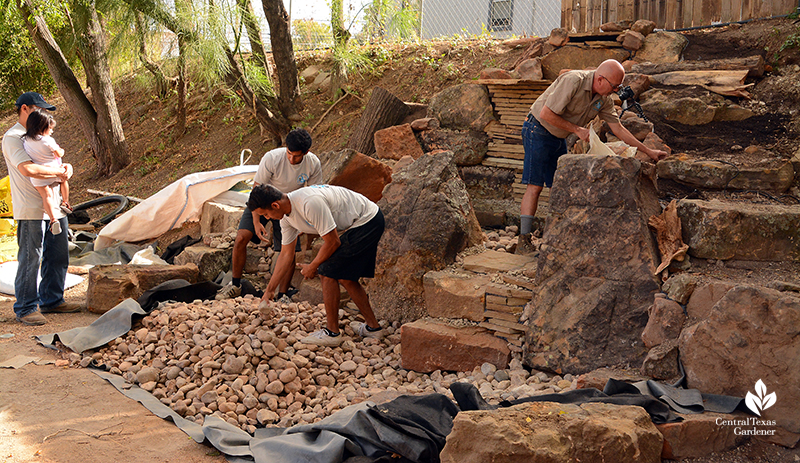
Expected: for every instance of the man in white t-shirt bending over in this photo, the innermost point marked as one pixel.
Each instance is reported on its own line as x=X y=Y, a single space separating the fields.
x=351 y=227
x=287 y=169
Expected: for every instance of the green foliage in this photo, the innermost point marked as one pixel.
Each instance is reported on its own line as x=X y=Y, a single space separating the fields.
x=395 y=19
x=310 y=35
x=259 y=81
x=793 y=41
x=21 y=68
x=349 y=58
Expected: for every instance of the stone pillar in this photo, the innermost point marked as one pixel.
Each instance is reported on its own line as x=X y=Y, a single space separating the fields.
x=595 y=277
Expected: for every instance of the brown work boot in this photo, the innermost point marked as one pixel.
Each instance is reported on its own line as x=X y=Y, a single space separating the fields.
x=64 y=307
x=32 y=319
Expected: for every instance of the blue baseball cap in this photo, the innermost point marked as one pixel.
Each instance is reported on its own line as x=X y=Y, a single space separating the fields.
x=34 y=99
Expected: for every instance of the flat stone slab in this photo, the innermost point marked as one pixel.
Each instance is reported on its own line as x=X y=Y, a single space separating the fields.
x=699 y=435
x=714 y=174
x=428 y=346
x=742 y=231
x=455 y=295
x=496 y=261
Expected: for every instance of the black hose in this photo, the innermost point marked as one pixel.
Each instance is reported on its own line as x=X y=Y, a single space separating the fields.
x=122 y=200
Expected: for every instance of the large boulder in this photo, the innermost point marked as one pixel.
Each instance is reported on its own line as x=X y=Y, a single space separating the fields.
x=530 y=69
x=355 y=171
x=488 y=182
x=744 y=231
x=662 y=47
x=469 y=147
x=210 y=261
x=578 y=58
x=547 y=432
x=218 y=218
x=685 y=110
x=462 y=107
x=752 y=334
x=429 y=220
x=665 y=321
x=595 y=270
x=395 y=142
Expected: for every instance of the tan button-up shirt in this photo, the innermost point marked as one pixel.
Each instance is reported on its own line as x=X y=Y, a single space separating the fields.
x=570 y=96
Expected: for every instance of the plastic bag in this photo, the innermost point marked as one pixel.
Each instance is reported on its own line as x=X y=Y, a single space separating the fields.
x=6 y=209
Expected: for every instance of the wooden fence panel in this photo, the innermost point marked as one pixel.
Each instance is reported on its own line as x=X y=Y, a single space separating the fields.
x=688 y=10
x=747 y=9
x=711 y=12
x=612 y=10
x=589 y=15
x=736 y=10
x=672 y=15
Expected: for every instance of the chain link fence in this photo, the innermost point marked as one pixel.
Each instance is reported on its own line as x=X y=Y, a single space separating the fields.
x=371 y=21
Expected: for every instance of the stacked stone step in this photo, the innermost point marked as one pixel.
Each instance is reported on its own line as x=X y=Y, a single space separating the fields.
x=504 y=304
x=511 y=99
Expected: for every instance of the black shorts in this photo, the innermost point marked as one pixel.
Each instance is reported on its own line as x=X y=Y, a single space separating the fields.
x=246 y=223
x=355 y=257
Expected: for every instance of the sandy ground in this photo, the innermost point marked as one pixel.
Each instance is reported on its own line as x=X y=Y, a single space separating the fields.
x=65 y=415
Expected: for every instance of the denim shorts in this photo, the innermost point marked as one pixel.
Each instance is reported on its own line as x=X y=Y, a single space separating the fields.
x=542 y=150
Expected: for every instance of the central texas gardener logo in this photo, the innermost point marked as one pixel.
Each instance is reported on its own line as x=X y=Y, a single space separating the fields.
x=759 y=401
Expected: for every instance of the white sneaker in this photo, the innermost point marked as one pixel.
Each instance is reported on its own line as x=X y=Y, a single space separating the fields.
x=55 y=228
x=228 y=291
x=321 y=338
x=361 y=330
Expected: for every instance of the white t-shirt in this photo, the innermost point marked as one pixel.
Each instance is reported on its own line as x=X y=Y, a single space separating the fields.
x=26 y=200
x=320 y=209
x=41 y=151
x=276 y=170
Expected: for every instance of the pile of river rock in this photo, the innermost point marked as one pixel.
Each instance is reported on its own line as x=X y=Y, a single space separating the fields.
x=223 y=358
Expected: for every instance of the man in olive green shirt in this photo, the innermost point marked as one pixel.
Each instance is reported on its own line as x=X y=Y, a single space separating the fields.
x=567 y=106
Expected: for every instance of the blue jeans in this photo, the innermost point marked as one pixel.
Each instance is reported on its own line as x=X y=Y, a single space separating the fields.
x=542 y=150
x=34 y=242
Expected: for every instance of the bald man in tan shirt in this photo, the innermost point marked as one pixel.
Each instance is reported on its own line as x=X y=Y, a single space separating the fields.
x=567 y=106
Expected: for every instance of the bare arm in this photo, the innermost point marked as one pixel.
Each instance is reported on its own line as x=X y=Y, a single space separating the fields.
x=547 y=115
x=29 y=169
x=258 y=227
x=330 y=245
x=282 y=267
x=625 y=135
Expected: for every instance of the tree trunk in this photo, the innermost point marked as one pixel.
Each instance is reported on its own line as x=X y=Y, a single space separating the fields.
x=289 y=100
x=340 y=37
x=383 y=110
x=63 y=76
x=162 y=85
x=232 y=76
x=114 y=153
x=236 y=81
x=254 y=34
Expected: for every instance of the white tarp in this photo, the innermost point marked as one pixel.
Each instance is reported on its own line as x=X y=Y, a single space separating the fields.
x=179 y=202
x=8 y=272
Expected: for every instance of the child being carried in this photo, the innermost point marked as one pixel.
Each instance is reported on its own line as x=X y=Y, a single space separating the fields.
x=43 y=150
